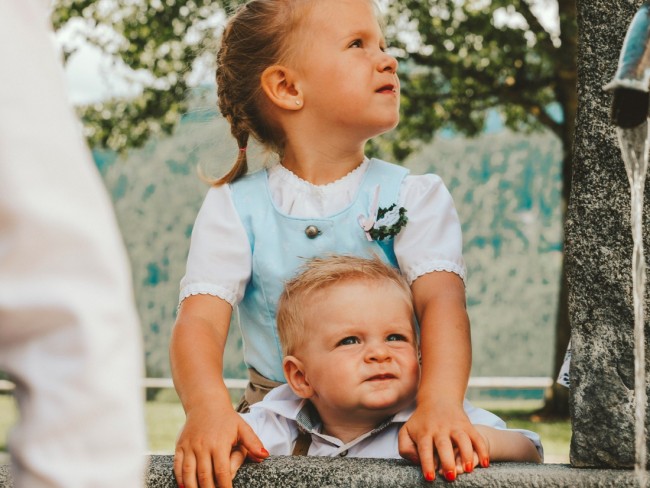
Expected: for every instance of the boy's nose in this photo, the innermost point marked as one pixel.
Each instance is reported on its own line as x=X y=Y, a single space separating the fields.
x=377 y=352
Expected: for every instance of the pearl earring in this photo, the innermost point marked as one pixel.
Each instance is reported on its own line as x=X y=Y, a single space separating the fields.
x=297 y=102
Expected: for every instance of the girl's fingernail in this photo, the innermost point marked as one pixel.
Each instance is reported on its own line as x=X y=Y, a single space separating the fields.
x=468 y=467
x=265 y=452
x=485 y=463
x=450 y=475
x=429 y=476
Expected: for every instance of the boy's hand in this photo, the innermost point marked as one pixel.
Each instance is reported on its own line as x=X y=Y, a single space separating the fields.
x=212 y=446
x=435 y=433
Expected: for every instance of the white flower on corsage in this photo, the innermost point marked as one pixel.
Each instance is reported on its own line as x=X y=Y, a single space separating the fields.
x=382 y=223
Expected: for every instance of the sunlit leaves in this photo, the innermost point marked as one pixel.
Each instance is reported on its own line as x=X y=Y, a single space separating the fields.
x=157 y=44
x=458 y=58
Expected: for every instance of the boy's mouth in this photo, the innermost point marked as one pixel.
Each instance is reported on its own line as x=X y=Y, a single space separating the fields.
x=381 y=377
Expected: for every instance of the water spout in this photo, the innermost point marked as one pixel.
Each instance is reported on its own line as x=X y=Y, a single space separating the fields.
x=630 y=87
x=631 y=82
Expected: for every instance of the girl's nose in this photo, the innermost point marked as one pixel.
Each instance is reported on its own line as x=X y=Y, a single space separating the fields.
x=387 y=63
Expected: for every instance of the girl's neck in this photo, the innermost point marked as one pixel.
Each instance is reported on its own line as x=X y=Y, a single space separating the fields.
x=321 y=167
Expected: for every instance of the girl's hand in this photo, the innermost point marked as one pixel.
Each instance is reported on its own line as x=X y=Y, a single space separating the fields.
x=468 y=468
x=435 y=434
x=212 y=446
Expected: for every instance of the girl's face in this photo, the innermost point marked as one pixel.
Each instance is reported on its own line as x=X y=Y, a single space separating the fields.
x=348 y=80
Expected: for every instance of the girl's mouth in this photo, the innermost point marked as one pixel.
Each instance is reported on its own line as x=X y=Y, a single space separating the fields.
x=387 y=89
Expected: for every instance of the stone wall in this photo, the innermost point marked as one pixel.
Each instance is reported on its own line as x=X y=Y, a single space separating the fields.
x=599 y=253
x=315 y=472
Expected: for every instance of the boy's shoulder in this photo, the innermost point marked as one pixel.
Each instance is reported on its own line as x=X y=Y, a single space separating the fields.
x=281 y=401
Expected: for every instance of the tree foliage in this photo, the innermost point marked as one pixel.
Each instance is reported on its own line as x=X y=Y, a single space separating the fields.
x=461 y=58
x=458 y=59
x=156 y=44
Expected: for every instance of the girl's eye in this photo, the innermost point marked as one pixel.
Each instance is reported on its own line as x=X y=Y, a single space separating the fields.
x=348 y=341
x=396 y=337
x=356 y=43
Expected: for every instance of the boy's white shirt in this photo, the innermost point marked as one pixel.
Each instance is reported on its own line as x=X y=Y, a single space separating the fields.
x=278 y=418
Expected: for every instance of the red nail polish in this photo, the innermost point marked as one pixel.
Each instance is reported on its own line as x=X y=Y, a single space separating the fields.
x=450 y=475
x=469 y=468
x=429 y=476
x=265 y=452
x=485 y=463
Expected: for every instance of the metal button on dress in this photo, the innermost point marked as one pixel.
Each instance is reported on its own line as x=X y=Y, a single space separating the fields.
x=312 y=231
x=343 y=453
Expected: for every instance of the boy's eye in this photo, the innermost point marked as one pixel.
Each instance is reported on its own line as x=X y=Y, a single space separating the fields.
x=348 y=341
x=356 y=43
x=396 y=337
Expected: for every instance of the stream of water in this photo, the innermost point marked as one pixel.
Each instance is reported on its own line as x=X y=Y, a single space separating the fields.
x=634 y=147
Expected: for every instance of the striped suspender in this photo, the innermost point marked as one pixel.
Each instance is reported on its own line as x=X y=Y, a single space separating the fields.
x=301 y=448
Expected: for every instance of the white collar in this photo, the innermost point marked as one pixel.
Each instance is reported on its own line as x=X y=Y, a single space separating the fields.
x=284 y=402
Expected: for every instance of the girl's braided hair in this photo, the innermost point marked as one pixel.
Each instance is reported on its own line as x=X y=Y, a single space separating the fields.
x=257 y=36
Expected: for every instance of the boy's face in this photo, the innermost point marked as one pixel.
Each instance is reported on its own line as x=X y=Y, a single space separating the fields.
x=360 y=353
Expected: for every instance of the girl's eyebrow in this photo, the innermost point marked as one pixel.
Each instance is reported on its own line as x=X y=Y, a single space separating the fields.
x=363 y=33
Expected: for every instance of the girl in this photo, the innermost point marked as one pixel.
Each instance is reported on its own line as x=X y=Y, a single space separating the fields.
x=311 y=80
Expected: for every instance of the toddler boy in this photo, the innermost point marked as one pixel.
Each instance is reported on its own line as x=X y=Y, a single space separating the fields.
x=350 y=348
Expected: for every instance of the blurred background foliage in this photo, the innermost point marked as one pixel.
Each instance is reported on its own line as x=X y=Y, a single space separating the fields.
x=459 y=59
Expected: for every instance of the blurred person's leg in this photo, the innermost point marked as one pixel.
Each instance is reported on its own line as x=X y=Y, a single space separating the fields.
x=69 y=334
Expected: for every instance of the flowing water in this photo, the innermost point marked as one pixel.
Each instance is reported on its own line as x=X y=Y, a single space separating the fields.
x=634 y=147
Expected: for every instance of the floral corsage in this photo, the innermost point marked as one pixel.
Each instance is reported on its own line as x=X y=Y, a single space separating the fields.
x=383 y=223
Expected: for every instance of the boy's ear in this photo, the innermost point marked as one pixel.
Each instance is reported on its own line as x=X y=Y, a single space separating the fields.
x=294 y=373
x=281 y=87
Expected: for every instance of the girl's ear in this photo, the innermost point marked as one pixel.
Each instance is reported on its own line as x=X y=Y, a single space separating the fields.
x=294 y=372
x=281 y=88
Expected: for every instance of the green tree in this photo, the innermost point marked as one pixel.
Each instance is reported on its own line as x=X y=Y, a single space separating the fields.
x=462 y=58
x=459 y=59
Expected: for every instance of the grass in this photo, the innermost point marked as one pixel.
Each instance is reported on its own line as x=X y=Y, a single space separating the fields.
x=555 y=434
x=164 y=418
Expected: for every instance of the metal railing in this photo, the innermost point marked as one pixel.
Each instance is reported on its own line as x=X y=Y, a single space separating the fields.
x=479 y=383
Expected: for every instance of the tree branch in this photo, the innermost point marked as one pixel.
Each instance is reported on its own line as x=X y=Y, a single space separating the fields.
x=536 y=26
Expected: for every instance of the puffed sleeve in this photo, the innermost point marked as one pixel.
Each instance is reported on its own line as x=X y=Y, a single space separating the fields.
x=432 y=239
x=219 y=261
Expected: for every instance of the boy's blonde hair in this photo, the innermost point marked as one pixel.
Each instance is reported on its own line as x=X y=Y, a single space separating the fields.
x=321 y=273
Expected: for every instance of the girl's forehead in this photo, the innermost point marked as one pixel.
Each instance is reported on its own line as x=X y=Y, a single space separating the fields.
x=340 y=14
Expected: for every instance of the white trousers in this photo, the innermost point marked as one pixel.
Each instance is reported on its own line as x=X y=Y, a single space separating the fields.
x=69 y=333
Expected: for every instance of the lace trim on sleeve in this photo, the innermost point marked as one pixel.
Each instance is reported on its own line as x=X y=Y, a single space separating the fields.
x=208 y=289
x=430 y=267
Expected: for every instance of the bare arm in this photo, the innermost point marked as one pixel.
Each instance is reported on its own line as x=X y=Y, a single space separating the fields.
x=439 y=423
x=212 y=427
x=506 y=445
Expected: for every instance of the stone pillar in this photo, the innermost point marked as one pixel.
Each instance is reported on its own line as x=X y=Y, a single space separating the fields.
x=599 y=253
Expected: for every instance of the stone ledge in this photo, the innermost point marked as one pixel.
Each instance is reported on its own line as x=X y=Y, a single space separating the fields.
x=318 y=472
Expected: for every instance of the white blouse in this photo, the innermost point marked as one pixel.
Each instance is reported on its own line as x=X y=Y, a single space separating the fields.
x=219 y=261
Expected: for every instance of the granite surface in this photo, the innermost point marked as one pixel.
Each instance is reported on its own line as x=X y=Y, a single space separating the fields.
x=319 y=472
x=599 y=253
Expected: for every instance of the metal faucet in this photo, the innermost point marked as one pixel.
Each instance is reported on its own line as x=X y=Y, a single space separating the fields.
x=631 y=83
